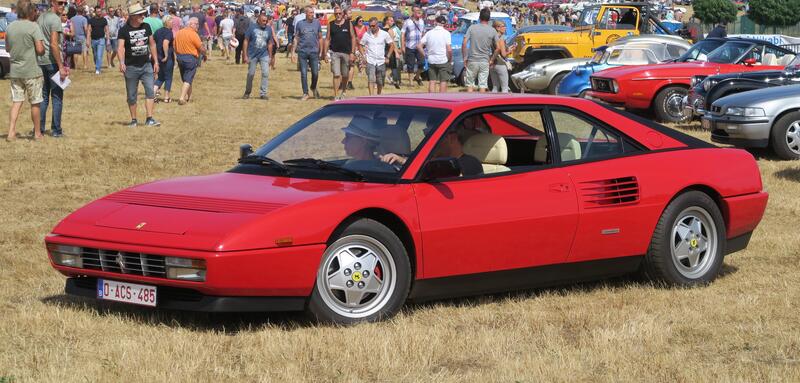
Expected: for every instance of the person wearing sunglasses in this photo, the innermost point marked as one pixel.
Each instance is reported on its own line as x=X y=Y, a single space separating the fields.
x=52 y=62
x=340 y=40
x=373 y=47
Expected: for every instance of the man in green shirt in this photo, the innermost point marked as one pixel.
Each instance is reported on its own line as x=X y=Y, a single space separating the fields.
x=24 y=40
x=154 y=19
x=52 y=62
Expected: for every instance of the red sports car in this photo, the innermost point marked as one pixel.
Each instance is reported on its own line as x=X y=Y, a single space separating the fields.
x=369 y=202
x=662 y=87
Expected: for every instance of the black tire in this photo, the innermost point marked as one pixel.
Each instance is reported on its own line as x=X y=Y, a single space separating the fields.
x=553 y=87
x=662 y=265
x=665 y=108
x=327 y=306
x=785 y=136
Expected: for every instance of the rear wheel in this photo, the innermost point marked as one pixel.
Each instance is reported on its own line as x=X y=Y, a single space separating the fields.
x=553 y=87
x=688 y=242
x=785 y=137
x=365 y=275
x=668 y=106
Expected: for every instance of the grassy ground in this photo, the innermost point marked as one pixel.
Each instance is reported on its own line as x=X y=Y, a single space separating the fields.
x=744 y=327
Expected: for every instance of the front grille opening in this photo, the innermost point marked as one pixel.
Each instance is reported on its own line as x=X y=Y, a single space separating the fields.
x=114 y=261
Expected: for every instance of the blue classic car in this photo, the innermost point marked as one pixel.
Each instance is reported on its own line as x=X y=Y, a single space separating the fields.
x=634 y=50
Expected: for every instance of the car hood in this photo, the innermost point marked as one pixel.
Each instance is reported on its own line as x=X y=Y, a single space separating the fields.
x=209 y=213
x=667 y=69
x=761 y=96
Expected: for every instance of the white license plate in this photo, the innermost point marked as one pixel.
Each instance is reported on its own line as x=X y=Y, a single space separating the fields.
x=126 y=292
x=706 y=124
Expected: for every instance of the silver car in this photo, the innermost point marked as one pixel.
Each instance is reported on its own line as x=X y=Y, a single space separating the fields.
x=768 y=117
x=544 y=76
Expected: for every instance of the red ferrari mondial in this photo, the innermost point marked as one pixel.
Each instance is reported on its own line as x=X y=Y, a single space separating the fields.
x=370 y=202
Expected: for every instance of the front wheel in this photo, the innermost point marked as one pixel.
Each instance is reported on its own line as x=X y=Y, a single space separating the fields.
x=668 y=104
x=785 y=137
x=688 y=242
x=364 y=276
x=553 y=87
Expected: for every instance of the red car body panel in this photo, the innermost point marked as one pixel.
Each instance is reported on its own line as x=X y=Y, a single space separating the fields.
x=264 y=236
x=639 y=84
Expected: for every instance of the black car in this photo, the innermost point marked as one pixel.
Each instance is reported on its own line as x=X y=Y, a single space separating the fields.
x=706 y=90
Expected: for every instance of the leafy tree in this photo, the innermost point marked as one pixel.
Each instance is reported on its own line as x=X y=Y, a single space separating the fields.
x=715 y=11
x=775 y=13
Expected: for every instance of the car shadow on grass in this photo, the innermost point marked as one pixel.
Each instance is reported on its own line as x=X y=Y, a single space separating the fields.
x=790 y=174
x=235 y=323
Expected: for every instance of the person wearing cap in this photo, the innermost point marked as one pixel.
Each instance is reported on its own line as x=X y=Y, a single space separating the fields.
x=137 y=50
x=360 y=139
x=436 y=47
x=373 y=47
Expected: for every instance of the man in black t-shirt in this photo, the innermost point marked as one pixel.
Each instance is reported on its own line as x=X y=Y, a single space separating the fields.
x=98 y=31
x=340 y=40
x=290 y=29
x=137 y=48
x=240 y=27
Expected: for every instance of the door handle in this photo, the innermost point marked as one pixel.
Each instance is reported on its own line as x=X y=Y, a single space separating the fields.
x=559 y=187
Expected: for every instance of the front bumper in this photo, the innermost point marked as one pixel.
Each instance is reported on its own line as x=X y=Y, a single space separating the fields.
x=750 y=132
x=530 y=83
x=172 y=298
x=694 y=105
x=276 y=272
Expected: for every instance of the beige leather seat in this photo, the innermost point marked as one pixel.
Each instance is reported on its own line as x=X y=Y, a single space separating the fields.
x=491 y=150
x=570 y=148
x=770 y=59
x=785 y=60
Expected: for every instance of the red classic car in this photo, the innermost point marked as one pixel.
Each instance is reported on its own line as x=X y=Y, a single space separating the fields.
x=662 y=87
x=366 y=203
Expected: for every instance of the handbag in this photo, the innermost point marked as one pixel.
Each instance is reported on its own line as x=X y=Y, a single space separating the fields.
x=73 y=47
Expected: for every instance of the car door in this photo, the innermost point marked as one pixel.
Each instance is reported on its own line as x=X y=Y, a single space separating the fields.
x=522 y=217
x=615 y=22
x=608 y=184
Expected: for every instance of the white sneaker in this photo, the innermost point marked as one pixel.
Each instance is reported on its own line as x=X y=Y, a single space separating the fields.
x=97 y=72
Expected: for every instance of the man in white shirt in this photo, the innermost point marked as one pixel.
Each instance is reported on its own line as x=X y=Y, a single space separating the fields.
x=373 y=47
x=436 y=46
x=226 y=27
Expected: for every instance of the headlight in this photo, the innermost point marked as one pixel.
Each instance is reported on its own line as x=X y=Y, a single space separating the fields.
x=65 y=255
x=745 y=112
x=707 y=84
x=536 y=72
x=186 y=269
x=696 y=80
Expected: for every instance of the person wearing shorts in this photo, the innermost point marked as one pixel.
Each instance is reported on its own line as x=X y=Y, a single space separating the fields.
x=482 y=40
x=80 y=29
x=137 y=50
x=113 y=32
x=188 y=48
x=436 y=47
x=25 y=41
x=410 y=36
x=373 y=47
x=340 y=40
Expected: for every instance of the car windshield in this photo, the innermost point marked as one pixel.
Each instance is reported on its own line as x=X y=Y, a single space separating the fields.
x=632 y=56
x=354 y=138
x=700 y=51
x=599 y=56
x=730 y=52
x=588 y=16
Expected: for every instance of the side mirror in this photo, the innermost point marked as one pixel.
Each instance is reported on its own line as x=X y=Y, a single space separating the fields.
x=750 y=61
x=441 y=168
x=245 y=150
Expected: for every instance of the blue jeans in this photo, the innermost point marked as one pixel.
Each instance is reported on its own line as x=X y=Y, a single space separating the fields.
x=308 y=59
x=50 y=88
x=98 y=47
x=251 y=73
x=165 y=70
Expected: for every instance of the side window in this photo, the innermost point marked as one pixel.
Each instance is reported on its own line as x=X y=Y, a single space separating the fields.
x=580 y=139
x=619 y=18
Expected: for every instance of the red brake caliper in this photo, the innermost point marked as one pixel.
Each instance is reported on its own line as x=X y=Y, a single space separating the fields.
x=377 y=272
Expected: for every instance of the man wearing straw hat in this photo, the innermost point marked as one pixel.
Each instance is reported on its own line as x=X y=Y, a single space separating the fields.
x=137 y=50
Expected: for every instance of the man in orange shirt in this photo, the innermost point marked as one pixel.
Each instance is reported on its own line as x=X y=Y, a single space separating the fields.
x=188 y=48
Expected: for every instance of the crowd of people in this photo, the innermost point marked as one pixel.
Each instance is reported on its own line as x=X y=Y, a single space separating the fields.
x=146 y=44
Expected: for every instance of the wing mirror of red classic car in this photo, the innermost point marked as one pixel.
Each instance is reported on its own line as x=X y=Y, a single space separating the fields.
x=245 y=150
x=440 y=168
x=750 y=61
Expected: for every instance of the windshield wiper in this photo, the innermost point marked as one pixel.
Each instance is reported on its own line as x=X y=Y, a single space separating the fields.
x=325 y=165
x=257 y=159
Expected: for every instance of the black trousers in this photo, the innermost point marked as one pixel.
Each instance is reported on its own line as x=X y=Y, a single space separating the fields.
x=239 y=47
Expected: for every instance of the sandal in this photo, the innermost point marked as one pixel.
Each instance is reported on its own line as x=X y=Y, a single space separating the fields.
x=167 y=100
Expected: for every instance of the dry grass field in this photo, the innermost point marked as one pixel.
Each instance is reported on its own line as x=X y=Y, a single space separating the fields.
x=745 y=327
